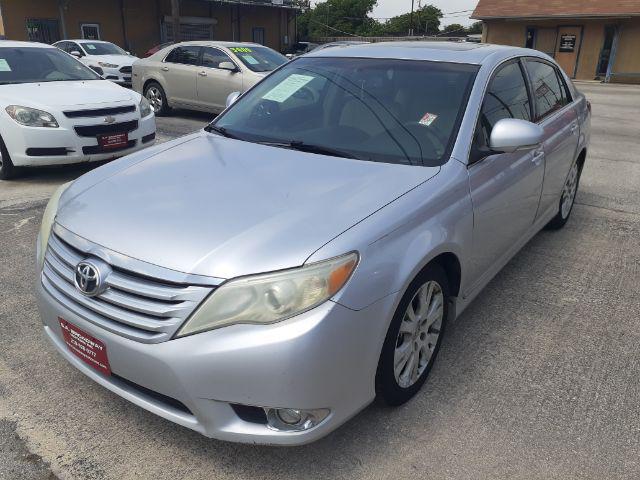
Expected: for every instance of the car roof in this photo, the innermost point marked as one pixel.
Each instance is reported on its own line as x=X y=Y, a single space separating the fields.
x=84 y=40
x=454 y=52
x=15 y=43
x=213 y=43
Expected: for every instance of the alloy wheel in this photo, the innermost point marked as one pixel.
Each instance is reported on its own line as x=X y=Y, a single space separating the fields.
x=419 y=333
x=569 y=192
x=155 y=99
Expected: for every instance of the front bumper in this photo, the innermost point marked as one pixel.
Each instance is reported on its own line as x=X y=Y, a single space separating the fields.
x=29 y=146
x=116 y=76
x=325 y=358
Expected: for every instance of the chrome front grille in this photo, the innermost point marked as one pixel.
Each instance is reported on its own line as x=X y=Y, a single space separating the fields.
x=137 y=307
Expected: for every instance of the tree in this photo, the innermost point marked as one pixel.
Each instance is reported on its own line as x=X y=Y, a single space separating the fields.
x=337 y=18
x=475 y=28
x=455 y=30
x=426 y=21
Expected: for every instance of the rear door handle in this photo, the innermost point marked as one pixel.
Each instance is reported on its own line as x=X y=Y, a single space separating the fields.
x=202 y=74
x=165 y=69
x=574 y=128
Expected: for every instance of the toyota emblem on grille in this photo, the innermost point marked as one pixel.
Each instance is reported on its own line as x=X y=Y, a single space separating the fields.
x=87 y=279
x=109 y=119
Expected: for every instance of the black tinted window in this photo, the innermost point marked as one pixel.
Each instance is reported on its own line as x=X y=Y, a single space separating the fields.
x=546 y=88
x=184 y=55
x=212 y=57
x=506 y=97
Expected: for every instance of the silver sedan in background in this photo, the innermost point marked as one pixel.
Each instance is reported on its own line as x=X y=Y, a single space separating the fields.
x=201 y=75
x=264 y=279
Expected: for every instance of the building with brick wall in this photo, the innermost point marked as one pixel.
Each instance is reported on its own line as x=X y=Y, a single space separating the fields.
x=138 y=25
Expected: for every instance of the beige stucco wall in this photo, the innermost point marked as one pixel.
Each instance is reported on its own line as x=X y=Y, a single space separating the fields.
x=628 y=55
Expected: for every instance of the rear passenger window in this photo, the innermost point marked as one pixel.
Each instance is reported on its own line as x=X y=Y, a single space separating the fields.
x=506 y=97
x=546 y=88
x=184 y=55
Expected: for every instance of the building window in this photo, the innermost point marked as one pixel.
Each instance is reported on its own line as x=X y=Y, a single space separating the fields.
x=258 y=35
x=43 y=30
x=90 y=31
x=531 y=38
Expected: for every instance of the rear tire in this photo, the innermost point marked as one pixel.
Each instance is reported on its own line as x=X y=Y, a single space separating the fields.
x=414 y=337
x=7 y=169
x=567 y=199
x=157 y=98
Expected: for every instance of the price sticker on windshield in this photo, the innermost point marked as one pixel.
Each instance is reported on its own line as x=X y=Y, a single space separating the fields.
x=287 y=88
x=240 y=49
x=250 y=59
x=4 y=65
x=89 y=46
x=428 y=119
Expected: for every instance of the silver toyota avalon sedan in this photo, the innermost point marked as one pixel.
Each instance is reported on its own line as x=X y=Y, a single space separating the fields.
x=264 y=279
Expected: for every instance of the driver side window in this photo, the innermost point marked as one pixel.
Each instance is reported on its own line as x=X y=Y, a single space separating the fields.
x=506 y=97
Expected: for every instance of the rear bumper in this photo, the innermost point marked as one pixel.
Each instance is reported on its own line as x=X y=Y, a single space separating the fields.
x=325 y=358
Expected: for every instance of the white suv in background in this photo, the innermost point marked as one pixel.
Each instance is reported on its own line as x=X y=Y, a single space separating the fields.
x=54 y=110
x=106 y=58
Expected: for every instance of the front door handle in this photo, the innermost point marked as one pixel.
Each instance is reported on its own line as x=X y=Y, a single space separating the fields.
x=202 y=74
x=165 y=69
x=574 y=128
x=538 y=155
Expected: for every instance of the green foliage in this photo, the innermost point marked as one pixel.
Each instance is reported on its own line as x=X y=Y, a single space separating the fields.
x=350 y=16
x=476 y=27
x=426 y=21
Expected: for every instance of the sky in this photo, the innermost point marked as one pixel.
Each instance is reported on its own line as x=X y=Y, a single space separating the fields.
x=391 y=8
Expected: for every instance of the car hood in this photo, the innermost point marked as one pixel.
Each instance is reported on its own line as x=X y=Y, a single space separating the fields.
x=224 y=208
x=65 y=94
x=120 y=60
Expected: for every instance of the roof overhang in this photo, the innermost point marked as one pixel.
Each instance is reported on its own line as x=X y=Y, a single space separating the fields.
x=556 y=17
x=259 y=3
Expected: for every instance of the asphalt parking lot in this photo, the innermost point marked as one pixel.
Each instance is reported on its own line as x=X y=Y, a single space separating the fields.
x=537 y=379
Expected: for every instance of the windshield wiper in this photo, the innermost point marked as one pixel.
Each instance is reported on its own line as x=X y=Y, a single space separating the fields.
x=310 y=148
x=221 y=130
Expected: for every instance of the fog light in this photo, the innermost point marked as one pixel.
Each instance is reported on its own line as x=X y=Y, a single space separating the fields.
x=294 y=420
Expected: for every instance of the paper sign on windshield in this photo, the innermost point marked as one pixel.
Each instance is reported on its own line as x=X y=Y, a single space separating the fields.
x=90 y=47
x=241 y=50
x=287 y=87
x=4 y=66
x=250 y=59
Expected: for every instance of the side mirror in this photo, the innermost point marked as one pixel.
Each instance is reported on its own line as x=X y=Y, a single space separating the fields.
x=76 y=54
x=511 y=134
x=231 y=99
x=228 y=66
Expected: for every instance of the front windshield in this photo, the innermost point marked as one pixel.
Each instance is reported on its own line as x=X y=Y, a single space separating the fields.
x=100 y=48
x=259 y=59
x=384 y=110
x=35 y=65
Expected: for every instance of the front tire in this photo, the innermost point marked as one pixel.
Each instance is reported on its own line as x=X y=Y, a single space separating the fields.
x=7 y=169
x=157 y=98
x=414 y=337
x=567 y=199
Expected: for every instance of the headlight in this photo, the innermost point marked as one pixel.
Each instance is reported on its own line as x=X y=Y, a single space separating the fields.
x=107 y=65
x=47 y=222
x=31 y=117
x=145 y=108
x=271 y=297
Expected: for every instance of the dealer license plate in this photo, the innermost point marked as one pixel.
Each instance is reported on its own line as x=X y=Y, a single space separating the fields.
x=86 y=347
x=116 y=140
